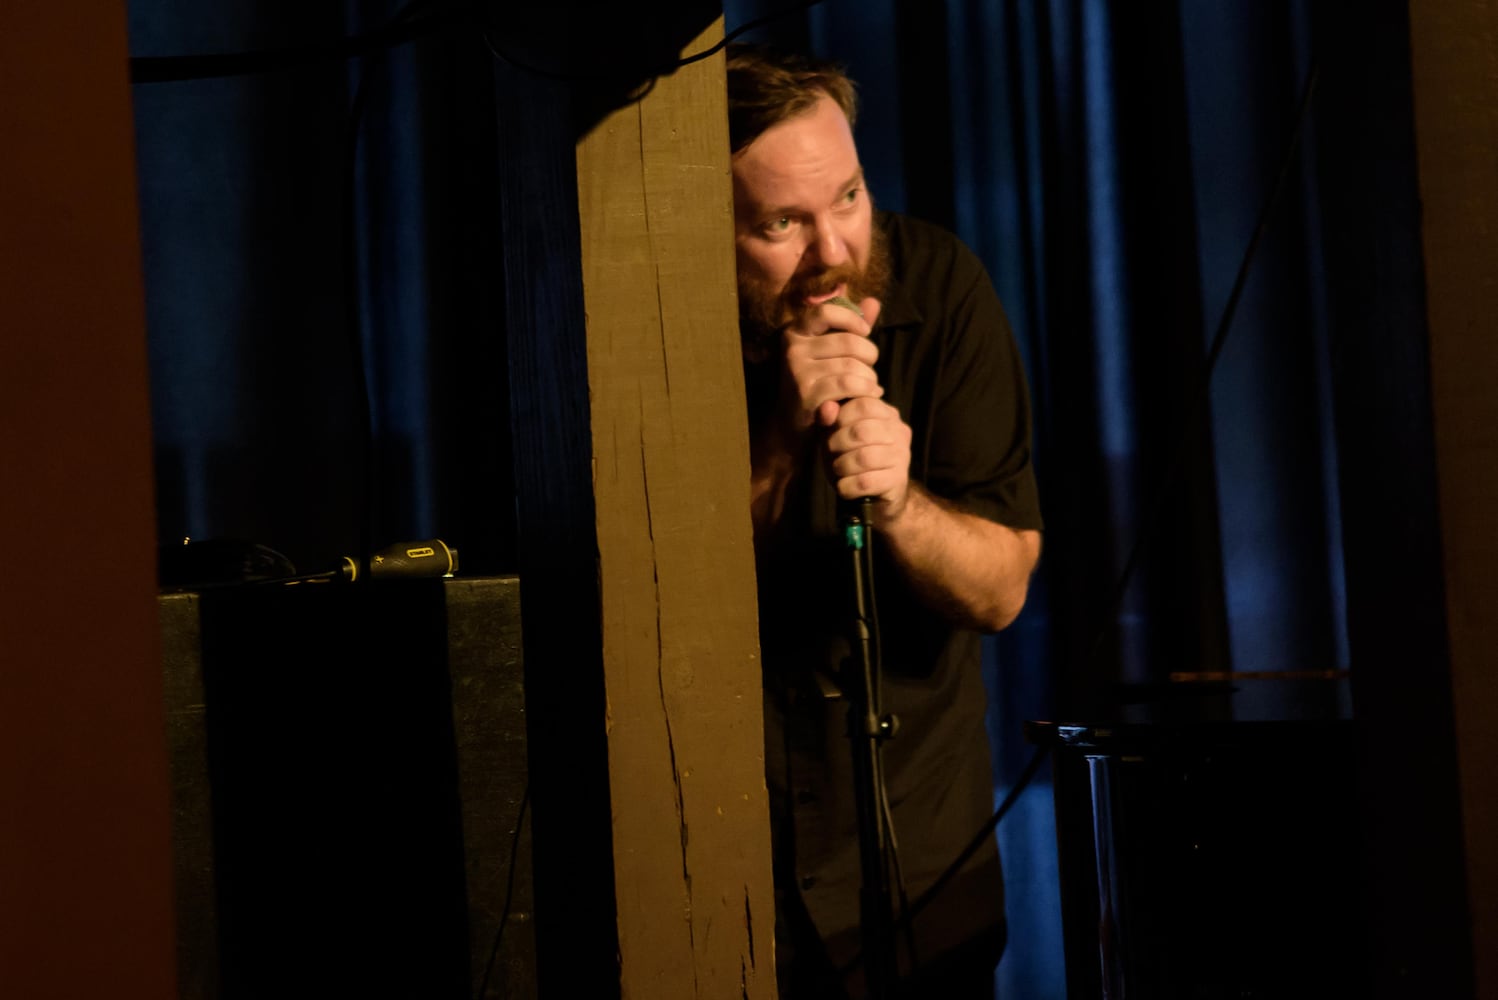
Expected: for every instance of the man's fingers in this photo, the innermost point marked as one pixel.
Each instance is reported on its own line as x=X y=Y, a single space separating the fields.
x=880 y=485
x=849 y=386
x=828 y=369
x=861 y=445
x=836 y=392
x=835 y=379
x=837 y=344
x=839 y=367
x=871 y=458
x=869 y=407
x=869 y=449
x=864 y=434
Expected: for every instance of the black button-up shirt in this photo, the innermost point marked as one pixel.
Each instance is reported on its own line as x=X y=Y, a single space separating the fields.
x=948 y=362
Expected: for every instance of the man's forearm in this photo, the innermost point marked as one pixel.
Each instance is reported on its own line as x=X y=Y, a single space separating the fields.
x=970 y=569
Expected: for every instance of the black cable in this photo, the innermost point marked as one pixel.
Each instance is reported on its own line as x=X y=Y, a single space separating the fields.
x=504 y=914
x=747 y=27
x=395 y=32
x=982 y=836
x=906 y=920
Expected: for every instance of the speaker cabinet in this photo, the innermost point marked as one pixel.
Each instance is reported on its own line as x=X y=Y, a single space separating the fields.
x=1216 y=861
x=348 y=774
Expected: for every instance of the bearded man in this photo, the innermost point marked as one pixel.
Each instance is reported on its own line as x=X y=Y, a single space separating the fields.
x=878 y=364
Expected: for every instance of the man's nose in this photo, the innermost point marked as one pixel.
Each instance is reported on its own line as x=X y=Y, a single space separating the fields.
x=829 y=246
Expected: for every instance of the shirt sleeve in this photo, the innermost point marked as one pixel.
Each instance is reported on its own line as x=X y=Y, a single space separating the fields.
x=978 y=441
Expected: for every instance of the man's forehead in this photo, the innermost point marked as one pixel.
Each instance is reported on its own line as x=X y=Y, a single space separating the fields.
x=797 y=158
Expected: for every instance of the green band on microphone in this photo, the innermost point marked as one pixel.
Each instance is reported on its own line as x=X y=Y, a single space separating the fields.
x=845 y=302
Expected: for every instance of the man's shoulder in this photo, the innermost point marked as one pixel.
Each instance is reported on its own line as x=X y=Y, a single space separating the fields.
x=929 y=264
x=918 y=245
x=912 y=227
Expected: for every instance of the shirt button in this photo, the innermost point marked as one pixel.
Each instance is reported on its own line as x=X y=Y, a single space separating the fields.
x=805 y=796
x=807 y=881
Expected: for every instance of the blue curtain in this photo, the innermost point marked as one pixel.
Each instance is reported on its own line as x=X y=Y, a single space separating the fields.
x=1109 y=163
x=321 y=245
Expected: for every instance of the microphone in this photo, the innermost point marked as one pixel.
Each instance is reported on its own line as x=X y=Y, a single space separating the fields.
x=856 y=515
x=405 y=560
x=846 y=303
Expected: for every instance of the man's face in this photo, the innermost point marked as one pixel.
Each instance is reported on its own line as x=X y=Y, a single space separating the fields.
x=803 y=223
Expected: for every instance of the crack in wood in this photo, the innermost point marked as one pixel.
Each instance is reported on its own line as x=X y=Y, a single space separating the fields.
x=660 y=305
x=749 y=924
x=660 y=683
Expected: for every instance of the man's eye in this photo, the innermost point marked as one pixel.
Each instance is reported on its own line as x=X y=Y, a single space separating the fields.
x=780 y=225
x=851 y=196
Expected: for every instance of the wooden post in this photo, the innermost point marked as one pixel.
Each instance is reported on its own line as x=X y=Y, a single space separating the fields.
x=1456 y=132
x=643 y=699
x=85 y=854
x=686 y=740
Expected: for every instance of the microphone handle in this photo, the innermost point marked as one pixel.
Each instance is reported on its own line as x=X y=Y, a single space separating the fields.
x=846 y=303
x=863 y=505
x=430 y=557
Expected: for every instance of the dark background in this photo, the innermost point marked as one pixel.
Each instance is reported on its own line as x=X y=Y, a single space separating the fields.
x=328 y=235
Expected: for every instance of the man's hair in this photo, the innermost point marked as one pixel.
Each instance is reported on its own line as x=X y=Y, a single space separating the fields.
x=766 y=87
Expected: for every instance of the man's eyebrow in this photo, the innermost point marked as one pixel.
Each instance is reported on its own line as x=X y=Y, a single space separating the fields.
x=852 y=182
x=776 y=211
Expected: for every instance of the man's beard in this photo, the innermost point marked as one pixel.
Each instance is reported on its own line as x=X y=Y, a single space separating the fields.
x=763 y=313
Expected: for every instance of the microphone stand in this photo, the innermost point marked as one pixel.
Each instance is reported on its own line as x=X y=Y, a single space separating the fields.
x=867 y=731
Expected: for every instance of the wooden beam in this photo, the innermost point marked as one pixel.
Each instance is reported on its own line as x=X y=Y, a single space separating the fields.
x=686 y=742
x=1455 y=74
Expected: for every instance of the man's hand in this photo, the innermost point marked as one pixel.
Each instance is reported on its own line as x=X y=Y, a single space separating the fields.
x=828 y=358
x=870 y=456
x=831 y=383
x=831 y=394
x=973 y=571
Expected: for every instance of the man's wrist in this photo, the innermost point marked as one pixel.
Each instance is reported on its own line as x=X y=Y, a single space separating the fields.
x=898 y=515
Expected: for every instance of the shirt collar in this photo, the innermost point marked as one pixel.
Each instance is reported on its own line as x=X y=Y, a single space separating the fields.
x=898 y=310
